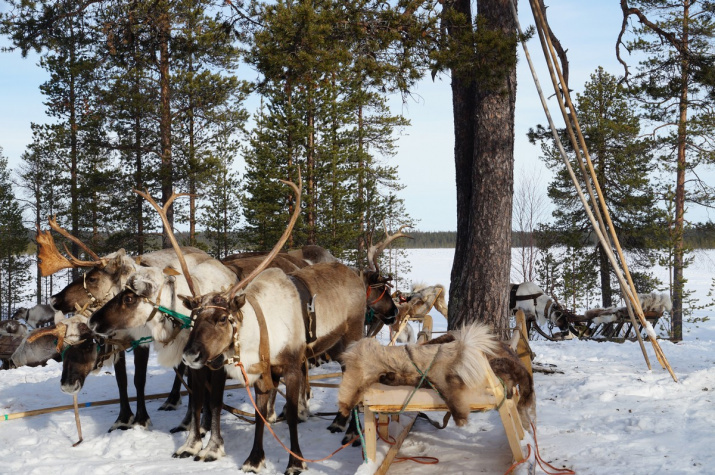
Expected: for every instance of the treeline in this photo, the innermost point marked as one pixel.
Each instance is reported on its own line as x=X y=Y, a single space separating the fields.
x=147 y=96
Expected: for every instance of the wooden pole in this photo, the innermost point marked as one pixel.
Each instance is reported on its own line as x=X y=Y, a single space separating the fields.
x=76 y=419
x=629 y=287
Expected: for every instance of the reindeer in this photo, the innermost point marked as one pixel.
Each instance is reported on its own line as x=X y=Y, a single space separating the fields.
x=43 y=344
x=538 y=306
x=270 y=327
x=38 y=316
x=12 y=328
x=104 y=278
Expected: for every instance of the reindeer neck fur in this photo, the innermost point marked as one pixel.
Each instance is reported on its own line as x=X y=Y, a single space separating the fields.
x=278 y=298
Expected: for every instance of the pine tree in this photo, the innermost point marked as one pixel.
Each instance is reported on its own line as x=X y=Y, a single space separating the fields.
x=623 y=162
x=319 y=117
x=38 y=174
x=677 y=39
x=14 y=264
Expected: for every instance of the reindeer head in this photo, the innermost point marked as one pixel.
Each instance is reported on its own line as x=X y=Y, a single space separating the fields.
x=134 y=305
x=217 y=324
x=377 y=295
x=97 y=285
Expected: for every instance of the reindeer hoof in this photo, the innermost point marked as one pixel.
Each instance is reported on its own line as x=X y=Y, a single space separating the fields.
x=296 y=469
x=170 y=406
x=181 y=455
x=122 y=425
x=211 y=454
x=179 y=428
x=253 y=466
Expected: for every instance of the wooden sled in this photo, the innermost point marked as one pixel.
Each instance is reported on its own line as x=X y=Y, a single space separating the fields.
x=386 y=402
x=425 y=320
x=8 y=345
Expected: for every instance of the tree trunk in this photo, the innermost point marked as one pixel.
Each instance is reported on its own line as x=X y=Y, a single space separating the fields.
x=74 y=159
x=484 y=162
x=167 y=182
x=679 y=251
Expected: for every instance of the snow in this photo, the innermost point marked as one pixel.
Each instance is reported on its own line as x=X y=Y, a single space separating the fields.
x=602 y=412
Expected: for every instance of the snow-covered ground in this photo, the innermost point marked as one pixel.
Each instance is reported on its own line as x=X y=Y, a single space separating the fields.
x=604 y=412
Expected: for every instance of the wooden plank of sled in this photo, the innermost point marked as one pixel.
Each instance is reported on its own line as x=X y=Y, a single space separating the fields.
x=394 y=449
x=382 y=398
x=313 y=377
x=523 y=350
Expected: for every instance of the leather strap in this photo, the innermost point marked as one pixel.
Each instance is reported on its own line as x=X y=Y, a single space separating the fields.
x=307 y=306
x=264 y=347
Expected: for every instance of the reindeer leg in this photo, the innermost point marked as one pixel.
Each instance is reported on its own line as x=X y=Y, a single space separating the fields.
x=214 y=449
x=193 y=443
x=186 y=421
x=270 y=414
x=174 y=400
x=141 y=362
x=257 y=458
x=294 y=380
x=126 y=416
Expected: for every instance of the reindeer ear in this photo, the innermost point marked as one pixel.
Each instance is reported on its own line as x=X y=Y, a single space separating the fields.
x=189 y=302
x=237 y=302
x=142 y=286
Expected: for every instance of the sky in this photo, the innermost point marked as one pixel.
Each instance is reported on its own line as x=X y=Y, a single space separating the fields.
x=587 y=30
x=601 y=412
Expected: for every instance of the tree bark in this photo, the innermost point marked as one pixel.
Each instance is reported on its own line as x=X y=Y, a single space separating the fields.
x=167 y=182
x=484 y=162
x=679 y=251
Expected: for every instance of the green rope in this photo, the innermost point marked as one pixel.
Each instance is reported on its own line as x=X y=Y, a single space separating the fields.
x=184 y=319
x=369 y=316
x=417 y=386
x=140 y=341
x=362 y=437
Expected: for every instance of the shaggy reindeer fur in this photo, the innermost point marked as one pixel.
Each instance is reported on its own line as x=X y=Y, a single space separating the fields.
x=602 y=315
x=507 y=365
x=655 y=302
x=455 y=368
x=421 y=296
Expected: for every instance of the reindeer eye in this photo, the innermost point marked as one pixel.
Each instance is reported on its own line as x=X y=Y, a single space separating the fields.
x=92 y=279
x=223 y=318
x=128 y=299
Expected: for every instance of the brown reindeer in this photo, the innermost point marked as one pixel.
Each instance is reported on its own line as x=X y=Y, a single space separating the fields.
x=270 y=327
x=103 y=279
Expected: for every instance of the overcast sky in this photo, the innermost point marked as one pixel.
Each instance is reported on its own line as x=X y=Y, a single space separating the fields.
x=588 y=31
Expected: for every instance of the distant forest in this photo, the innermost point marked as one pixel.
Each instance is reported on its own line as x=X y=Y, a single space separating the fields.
x=698 y=236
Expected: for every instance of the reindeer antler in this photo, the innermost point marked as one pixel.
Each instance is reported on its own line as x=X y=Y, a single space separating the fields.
x=56 y=227
x=376 y=249
x=50 y=258
x=296 y=212
x=170 y=232
x=59 y=331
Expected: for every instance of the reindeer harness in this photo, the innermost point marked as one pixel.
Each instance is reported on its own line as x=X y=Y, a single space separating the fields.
x=264 y=350
x=307 y=306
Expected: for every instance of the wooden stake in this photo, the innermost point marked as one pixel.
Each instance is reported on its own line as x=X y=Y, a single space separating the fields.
x=76 y=419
